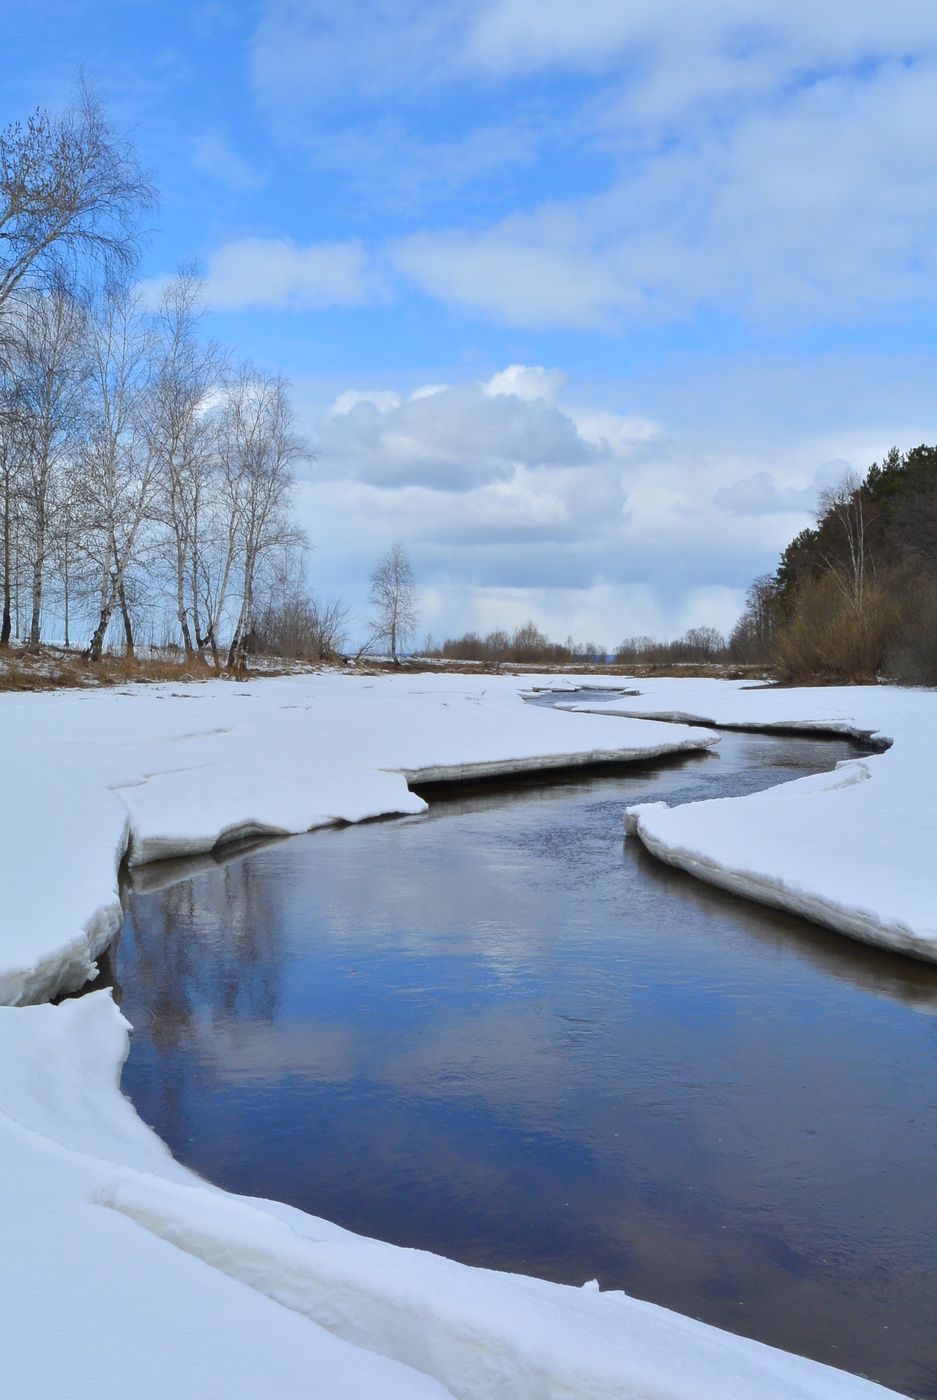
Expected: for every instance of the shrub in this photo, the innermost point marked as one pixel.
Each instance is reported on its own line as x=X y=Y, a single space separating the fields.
x=301 y=627
x=911 y=656
x=825 y=636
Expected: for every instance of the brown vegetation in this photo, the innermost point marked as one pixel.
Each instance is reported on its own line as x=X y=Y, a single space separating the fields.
x=54 y=669
x=855 y=598
x=824 y=635
x=527 y=645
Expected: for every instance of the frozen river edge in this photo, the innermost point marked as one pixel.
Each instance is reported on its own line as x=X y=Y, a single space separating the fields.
x=210 y=1294
x=851 y=850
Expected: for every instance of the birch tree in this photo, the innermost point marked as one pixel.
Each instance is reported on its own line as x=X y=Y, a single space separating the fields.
x=120 y=459
x=49 y=366
x=71 y=188
x=183 y=440
x=394 y=614
x=10 y=469
x=260 y=446
x=843 y=503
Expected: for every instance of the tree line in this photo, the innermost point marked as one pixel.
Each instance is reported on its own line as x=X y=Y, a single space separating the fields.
x=527 y=644
x=855 y=596
x=139 y=466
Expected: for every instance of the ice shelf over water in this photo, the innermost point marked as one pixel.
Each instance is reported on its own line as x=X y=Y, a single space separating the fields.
x=124 y=1273
x=855 y=849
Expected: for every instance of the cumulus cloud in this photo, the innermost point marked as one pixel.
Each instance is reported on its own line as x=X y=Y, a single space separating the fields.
x=759 y=495
x=274 y=272
x=455 y=438
x=524 y=382
x=610 y=526
x=514 y=496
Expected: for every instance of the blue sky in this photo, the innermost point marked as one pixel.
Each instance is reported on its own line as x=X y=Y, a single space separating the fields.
x=583 y=299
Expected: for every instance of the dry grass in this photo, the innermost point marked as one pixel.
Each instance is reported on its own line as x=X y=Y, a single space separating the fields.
x=610 y=670
x=54 y=668
x=825 y=640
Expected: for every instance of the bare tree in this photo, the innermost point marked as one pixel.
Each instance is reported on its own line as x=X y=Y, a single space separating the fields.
x=260 y=447
x=843 y=503
x=11 y=456
x=131 y=467
x=120 y=459
x=291 y=621
x=753 y=634
x=394 y=614
x=69 y=186
x=183 y=439
x=49 y=368
x=66 y=553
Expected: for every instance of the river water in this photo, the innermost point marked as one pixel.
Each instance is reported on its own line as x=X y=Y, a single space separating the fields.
x=503 y=1032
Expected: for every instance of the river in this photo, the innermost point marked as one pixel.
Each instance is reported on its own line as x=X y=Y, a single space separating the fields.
x=503 y=1032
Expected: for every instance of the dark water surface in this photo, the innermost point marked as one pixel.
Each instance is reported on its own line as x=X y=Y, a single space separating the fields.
x=504 y=1033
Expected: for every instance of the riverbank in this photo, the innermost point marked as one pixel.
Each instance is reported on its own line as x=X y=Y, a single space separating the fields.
x=202 y=1293
x=147 y=773
x=852 y=850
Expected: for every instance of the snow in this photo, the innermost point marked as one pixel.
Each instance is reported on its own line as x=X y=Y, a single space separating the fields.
x=124 y=1273
x=173 y=771
x=853 y=849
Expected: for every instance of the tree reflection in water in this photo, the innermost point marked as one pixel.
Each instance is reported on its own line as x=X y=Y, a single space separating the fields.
x=197 y=950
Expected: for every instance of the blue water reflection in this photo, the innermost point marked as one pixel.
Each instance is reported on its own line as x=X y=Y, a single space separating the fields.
x=504 y=1033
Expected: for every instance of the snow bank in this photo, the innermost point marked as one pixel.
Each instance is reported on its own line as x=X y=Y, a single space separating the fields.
x=126 y=1274
x=853 y=850
x=206 y=1294
x=173 y=771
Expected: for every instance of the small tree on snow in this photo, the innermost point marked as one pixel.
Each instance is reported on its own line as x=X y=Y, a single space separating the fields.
x=393 y=600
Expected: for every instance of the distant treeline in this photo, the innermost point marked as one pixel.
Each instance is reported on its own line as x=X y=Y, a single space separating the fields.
x=698 y=646
x=527 y=644
x=855 y=597
x=701 y=645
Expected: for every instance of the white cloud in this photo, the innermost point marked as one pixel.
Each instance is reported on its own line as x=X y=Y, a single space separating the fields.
x=593 y=518
x=775 y=163
x=274 y=272
x=673 y=50
x=529 y=384
x=427 y=391
x=214 y=157
x=505 y=492
x=458 y=438
x=818 y=205
x=530 y=271
x=759 y=495
x=381 y=399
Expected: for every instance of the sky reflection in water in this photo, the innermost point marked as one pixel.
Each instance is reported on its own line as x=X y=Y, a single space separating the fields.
x=503 y=1033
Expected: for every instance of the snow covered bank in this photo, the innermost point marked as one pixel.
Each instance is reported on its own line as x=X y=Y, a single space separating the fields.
x=853 y=850
x=172 y=771
x=126 y=1274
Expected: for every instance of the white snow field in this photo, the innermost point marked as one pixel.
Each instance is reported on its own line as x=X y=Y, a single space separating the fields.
x=172 y=771
x=124 y=1274
x=855 y=849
